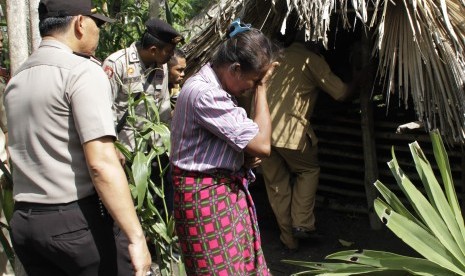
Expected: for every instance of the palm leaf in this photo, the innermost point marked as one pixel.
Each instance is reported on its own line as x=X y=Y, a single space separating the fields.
x=396 y=204
x=443 y=163
x=434 y=230
x=140 y=173
x=438 y=199
x=418 y=238
x=340 y=268
x=425 y=210
x=391 y=262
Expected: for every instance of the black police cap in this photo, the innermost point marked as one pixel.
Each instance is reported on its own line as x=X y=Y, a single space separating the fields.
x=163 y=31
x=62 y=8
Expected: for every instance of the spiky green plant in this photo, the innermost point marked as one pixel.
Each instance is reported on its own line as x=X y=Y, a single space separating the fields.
x=434 y=228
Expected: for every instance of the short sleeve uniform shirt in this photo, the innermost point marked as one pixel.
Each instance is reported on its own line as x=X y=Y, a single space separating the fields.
x=56 y=102
x=128 y=75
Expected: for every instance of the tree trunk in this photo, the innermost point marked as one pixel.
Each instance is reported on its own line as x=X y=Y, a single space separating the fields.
x=17 y=11
x=34 y=27
x=154 y=8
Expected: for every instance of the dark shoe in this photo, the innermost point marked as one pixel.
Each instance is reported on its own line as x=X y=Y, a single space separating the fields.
x=303 y=234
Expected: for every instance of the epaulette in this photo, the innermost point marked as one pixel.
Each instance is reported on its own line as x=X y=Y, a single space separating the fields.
x=115 y=56
x=90 y=57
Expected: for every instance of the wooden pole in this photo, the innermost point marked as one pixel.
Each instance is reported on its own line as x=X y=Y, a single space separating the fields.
x=34 y=25
x=154 y=8
x=368 y=137
x=16 y=11
x=16 y=14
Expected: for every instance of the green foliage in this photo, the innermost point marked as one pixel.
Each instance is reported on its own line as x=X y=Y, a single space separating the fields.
x=7 y=204
x=129 y=27
x=179 y=12
x=151 y=138
x=132 y=15
x=435 y=228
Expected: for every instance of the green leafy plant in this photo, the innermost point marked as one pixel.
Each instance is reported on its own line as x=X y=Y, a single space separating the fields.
x=433 y=226
x=132 y=15
x=127 y=29
x=156 y=221
x=7 y=204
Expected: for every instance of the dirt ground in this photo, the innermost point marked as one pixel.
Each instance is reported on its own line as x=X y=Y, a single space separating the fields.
x=333 y=225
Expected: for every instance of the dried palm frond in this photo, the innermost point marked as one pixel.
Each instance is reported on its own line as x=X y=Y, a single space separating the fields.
x=262 y=15
x=421 y=55
x=267 y=15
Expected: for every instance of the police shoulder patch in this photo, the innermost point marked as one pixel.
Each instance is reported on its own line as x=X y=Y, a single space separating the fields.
x=109 y=71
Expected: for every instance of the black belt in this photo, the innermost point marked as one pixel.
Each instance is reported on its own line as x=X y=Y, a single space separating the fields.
x=42 y=207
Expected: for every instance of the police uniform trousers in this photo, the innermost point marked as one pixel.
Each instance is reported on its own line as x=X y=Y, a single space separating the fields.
x=77 y=238
x=291 y=179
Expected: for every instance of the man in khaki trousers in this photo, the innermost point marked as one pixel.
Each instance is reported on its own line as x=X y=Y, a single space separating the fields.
x=291 y=97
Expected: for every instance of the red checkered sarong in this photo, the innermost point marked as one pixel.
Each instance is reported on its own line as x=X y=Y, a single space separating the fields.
x=217 y=225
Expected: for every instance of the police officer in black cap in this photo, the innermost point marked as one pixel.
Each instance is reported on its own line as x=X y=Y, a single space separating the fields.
x=74 y=214
x=142 y=68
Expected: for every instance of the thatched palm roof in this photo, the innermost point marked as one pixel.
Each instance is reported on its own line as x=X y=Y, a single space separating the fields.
x=419 y=44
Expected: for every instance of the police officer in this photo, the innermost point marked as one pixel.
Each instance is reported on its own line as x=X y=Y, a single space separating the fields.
x=68 y=183
x=142 y=68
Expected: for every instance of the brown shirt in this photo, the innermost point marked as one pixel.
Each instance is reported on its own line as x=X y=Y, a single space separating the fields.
x=293 y=92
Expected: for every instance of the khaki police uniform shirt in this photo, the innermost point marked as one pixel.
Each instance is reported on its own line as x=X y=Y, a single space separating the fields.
x=127 y=74
x=293 y=92
x=56 y=102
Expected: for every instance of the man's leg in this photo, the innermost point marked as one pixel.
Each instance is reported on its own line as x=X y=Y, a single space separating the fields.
x=304 y=164
x=277 y=182
x=78 y=241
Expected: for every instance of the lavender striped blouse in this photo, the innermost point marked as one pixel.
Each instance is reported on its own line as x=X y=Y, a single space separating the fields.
x=209 y=131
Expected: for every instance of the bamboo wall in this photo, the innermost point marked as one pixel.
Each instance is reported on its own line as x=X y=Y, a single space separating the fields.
x=341 y=153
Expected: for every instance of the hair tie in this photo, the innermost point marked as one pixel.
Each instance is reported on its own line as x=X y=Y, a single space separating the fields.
x=237 y=27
